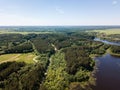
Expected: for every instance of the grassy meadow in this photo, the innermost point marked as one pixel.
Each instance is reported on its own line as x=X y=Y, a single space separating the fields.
x=108 y=31
x=27 y=58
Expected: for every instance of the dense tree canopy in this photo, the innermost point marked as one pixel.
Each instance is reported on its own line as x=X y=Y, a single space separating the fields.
x=61 y=69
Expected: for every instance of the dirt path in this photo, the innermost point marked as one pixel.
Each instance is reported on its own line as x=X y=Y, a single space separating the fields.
x=55 y=48
x=35 y=59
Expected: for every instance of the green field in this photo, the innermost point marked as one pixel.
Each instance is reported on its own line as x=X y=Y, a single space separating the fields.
x=27 y=58
x=108 y=31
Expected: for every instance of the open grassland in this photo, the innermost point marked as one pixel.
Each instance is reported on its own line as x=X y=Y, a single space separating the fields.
x=27 y=58
x=108 y=31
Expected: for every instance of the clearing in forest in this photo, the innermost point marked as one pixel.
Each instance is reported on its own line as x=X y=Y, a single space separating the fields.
x=27 y=58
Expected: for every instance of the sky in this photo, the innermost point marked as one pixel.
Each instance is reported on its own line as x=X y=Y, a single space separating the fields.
x=59 y=12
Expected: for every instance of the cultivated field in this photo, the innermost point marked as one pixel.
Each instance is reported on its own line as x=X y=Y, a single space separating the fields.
x=28 y=58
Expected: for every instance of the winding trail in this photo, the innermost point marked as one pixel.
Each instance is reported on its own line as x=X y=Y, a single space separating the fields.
x=55 y=48
x=35 y=58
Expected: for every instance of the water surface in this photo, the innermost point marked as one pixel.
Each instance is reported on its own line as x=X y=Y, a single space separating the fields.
x=108 y=74
x=107 y=42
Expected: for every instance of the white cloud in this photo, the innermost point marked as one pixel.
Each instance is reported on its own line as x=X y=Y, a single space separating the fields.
x=115 y=2
x=59 y=10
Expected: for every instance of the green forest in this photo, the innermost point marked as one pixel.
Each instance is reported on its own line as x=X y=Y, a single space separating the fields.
x=64 y=60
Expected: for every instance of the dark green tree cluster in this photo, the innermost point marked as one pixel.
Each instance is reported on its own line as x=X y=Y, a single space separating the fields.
x=15 y=43
x=5 y=39
x=22 y=48
x=19 y=76
x=115 y=49
x=32 y=80
x=63 y=44
x=71 y=63
x=76 y=58
x=42 y=46
x=13 y=67
x=6 y=69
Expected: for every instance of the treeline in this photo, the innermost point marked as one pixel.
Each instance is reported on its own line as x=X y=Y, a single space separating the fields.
x=99 y=49
x=42 y=46
x=77 y=58
x=18 y=43
x=111 y=37
x=22 y=48
x=72 y=38
x=15 y=43
x=79 y=67
x=115 y=49
x=7 y=38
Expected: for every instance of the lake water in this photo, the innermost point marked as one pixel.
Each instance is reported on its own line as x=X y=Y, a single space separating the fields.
x=108 y=74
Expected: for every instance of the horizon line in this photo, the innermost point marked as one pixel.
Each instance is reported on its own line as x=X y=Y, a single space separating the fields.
x=52 y=25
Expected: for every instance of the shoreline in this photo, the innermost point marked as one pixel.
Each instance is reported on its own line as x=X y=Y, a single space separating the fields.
x=113 y=54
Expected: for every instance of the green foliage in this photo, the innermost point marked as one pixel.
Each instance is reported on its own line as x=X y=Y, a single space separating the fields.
x=109 y=35
x=82 y=75
x=75 y=86
x=57 y=78
x=4 y=65
x=115 y=49
x=14 y=67
x=5 y=39
x=42 y=46
x=43 y=59
x=76 y=58
x=22 y=48
x=15 y=43
x=32 y=80
x=58 y=72
x=19 y=76
x=13 y=82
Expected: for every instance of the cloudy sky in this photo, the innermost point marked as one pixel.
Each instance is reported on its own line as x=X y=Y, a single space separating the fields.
x=59 y=12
